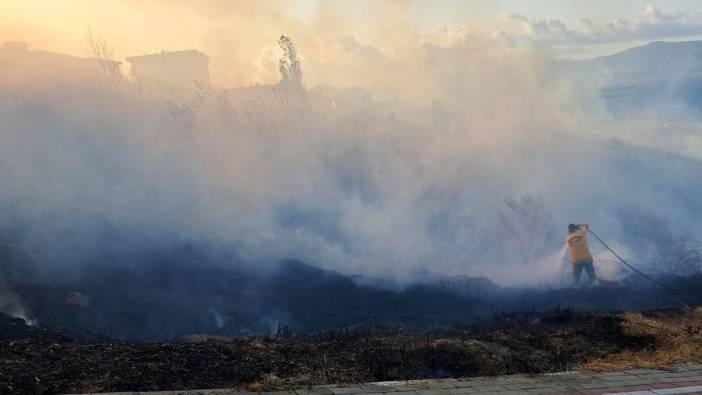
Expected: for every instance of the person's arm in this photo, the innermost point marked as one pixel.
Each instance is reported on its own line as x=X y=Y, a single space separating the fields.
x=582 y=230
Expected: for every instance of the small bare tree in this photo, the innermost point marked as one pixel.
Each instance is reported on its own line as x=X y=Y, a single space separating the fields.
x=659 y=245
x=683 y=257
x=104 y=55
x=278 y=109
x=289 y=66
x=529 y=227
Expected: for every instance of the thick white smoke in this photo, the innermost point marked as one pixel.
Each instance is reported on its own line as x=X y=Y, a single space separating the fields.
x=406 y=175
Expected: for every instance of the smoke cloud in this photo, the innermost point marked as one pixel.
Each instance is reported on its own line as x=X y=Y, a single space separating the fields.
x=397 y=160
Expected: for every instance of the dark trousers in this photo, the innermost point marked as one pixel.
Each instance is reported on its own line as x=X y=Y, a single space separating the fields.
x=578 y=270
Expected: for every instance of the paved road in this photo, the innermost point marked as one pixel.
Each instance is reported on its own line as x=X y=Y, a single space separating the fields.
x=677 y=379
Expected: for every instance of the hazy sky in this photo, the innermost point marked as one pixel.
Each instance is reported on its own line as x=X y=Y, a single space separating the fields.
x=240 y=35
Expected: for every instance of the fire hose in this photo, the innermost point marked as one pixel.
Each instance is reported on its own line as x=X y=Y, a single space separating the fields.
x=627 y=264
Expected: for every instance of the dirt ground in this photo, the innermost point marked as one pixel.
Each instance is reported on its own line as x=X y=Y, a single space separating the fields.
x=33 y=360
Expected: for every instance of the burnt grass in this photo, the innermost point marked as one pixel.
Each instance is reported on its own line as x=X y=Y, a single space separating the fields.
x=48 y=361
x=167 y=300
x=182 y=326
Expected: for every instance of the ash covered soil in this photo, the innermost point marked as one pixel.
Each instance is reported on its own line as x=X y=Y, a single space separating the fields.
x=36 y=360
x=167 y=300
x=190 y=327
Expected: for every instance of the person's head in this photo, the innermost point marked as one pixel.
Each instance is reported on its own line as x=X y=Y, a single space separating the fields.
x=572 y=228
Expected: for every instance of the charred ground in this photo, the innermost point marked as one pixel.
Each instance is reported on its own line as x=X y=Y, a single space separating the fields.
x=41 y=361
x=167 y=300
x=176 y=325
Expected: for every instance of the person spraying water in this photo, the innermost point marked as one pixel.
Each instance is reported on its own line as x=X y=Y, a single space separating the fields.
x=580 y=254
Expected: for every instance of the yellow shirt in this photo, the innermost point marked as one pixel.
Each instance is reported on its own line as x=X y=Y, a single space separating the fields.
x=577 y=245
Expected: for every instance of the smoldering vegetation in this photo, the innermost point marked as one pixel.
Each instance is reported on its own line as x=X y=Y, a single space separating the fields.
x=174 y=300
x=50 y=361
x=135 y=207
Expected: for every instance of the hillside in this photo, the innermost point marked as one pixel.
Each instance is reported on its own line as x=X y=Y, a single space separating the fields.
x=661 y=79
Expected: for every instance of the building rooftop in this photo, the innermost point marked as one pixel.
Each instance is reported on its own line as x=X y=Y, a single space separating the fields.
x=186 y=52
x=21 y=47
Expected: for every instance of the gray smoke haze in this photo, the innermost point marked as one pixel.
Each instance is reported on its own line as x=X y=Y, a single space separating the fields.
x=469 y=158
